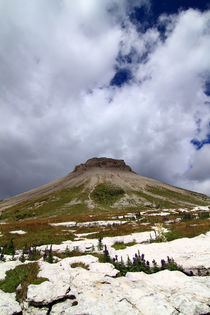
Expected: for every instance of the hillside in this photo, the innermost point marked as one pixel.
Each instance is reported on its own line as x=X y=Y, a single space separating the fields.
x=105 y=240
x=100 y=184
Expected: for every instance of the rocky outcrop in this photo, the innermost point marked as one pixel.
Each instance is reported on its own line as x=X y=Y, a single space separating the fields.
x=105 y=163
x=96 y=292
x=191 y=253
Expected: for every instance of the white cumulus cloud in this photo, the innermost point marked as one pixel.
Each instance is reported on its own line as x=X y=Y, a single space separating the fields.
x=57 y=59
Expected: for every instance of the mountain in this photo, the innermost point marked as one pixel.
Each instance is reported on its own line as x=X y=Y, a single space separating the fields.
x=79 y=239
x=100 y=184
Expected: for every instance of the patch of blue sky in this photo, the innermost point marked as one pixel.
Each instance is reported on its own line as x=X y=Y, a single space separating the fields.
x=200 y=143
x=207 y=87
x=121 y=77
x=144 y=18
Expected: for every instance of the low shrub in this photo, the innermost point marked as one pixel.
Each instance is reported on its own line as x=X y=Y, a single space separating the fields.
x=8 y=249
x=138 y=263
x=33 y=254
x=187 y=217
x=107 y=194
x=48 y=255
x=204 y=215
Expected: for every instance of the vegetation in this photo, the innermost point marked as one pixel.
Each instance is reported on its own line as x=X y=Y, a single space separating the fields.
x=107 y=194
x=100 y=244
x=68 y=253
x=31 y=254
x=18 y=279
x=187 y=229
x=8 y=249
x=38 y=233
x=204 y=215
x=160 y=235
x=79 y=264
x=175 y=196
x=187 y=217
x=48 y=255
x=138 y=263
x=57 y=203
x=34 y=217
x=121 y=245
x=117 y=230
x=158 y=202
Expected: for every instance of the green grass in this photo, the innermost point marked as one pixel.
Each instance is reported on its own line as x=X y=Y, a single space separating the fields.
x=68 y=253
x=176 y=196
x=79 y=264
x=107 y=194
x=121 y=245
x=24 y=274
x=172 y=235
x=48 y=205
x=158 y=202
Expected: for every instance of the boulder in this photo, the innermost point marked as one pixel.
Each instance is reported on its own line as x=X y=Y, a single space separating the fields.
x=166 y=292
x=48 y=292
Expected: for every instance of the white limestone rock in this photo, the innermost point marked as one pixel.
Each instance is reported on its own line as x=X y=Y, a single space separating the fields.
x=62 y=308
x=61 y=270
x=68 y=224
x=188 y=295
x=191 y=253
x=8 y=304
x=101 y=223
x=18 y=232
x=97 y=292
x=166 y=292
x=107 y=269
x=30 y=310
x=47 y=292
x=87 y=244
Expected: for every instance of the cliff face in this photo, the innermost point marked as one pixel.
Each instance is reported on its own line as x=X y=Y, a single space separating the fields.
x=105 y=163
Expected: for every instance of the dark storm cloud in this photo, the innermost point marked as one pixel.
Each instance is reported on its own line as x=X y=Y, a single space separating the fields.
x=58 y=108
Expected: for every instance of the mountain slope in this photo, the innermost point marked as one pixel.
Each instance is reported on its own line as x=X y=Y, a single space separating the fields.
x=100 y=183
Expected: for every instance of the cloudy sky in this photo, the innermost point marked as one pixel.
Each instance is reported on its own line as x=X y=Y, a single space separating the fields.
x=125 y=79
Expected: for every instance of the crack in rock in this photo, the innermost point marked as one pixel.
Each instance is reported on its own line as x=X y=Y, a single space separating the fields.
x=51 y=304
x=133 y=305
x=177 y=309
x=105 y=282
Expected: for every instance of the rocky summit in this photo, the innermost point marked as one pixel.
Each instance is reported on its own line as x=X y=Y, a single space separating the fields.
x=105 y=163
x=105 y=240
